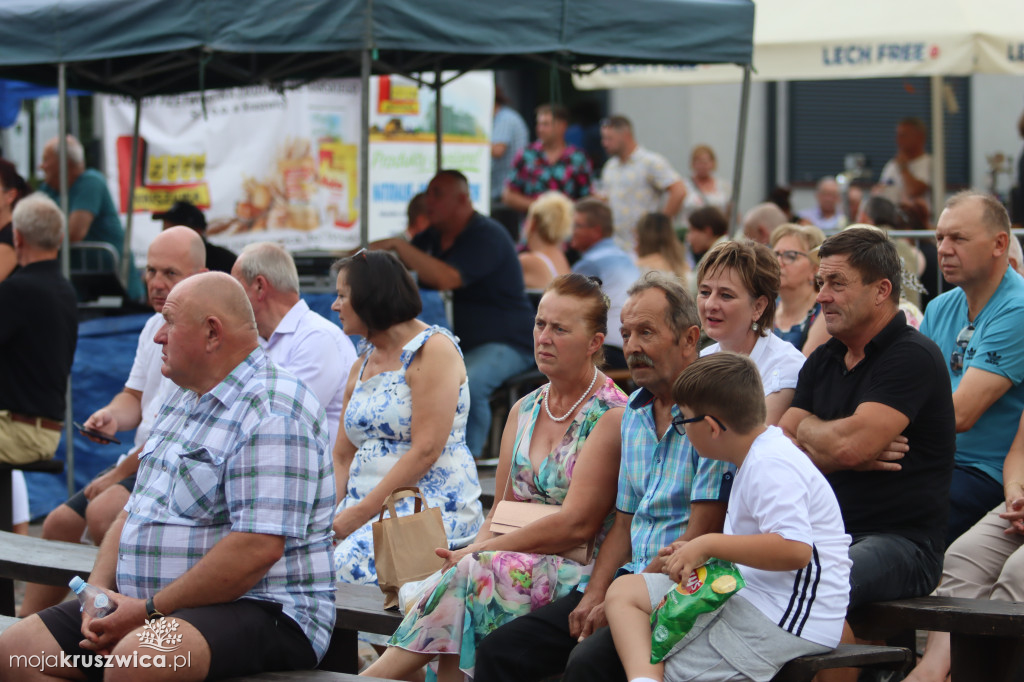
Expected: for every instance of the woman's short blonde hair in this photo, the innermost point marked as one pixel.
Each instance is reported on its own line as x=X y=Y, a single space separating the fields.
x=810 y=236
x=551 y=214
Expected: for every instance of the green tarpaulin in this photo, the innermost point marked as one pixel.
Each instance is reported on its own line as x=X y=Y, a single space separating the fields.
x=143 y=47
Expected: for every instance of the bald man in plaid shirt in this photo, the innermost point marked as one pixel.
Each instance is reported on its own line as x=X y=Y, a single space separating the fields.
x=226 y=539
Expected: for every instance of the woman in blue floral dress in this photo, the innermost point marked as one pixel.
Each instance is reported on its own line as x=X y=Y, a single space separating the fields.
x=405 y=414
x=560 y=447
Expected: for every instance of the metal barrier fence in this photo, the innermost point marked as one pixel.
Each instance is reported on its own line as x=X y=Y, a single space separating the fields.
x=921 y=235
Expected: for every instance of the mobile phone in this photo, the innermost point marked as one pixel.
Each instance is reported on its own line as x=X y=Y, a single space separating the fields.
x=95 y=434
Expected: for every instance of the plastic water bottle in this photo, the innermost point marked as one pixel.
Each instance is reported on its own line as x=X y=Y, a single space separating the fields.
x=94 y=601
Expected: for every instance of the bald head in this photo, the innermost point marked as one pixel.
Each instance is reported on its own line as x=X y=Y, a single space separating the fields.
x=183 y=245
x=217 y=294
x=173 y=255
x=761 y=220
x=208 y=331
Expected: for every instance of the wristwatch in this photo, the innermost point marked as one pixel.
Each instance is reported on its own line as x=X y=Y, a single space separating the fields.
x=151 y=612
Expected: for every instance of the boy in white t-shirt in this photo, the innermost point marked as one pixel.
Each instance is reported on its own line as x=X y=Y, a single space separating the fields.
x=783 y=530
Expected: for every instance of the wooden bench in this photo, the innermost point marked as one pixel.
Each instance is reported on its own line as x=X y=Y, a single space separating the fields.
x=50 y=562
x=986 y=637
x=804 y=669
x=358 y=608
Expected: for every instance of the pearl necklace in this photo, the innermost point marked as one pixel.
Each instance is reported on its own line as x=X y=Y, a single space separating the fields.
x=547 y=389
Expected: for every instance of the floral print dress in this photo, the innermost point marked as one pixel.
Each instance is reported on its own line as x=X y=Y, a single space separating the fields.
x=485 y=590
x=378 y=421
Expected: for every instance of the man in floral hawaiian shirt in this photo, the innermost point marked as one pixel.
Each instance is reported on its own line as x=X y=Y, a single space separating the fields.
x=548 y=164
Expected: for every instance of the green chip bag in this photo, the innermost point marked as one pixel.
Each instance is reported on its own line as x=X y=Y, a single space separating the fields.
x=708 y=587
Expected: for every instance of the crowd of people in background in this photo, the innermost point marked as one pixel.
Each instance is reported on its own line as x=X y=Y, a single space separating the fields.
x=815 y=400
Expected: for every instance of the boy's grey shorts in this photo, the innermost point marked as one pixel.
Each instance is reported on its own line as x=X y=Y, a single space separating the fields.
x=736 y=642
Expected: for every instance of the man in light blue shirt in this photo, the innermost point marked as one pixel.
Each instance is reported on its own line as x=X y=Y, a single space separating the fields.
x=977 y=327
x=509 y=135
x=592 y=235
x=666 y=494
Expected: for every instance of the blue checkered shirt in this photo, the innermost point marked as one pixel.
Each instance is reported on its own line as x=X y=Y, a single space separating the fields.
x=659 y=478
x=249 y=456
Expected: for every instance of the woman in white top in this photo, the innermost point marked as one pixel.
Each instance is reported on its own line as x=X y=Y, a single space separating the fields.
x=737 y=284
x=548 y=224
x=702 y=187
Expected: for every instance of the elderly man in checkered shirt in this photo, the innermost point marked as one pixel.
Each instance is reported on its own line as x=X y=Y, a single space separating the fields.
x=223 y=553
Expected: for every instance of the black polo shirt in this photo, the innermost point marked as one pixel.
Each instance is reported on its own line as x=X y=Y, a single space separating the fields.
x=38 y=333
x=491 y=305
x=902 y=369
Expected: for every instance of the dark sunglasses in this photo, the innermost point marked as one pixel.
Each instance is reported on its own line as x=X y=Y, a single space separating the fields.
x=956 y=358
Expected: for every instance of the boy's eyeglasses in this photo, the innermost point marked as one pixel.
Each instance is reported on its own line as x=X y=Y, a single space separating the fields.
x=679 y=423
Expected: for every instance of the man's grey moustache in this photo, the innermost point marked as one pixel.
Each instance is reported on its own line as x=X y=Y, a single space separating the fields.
x=639 y=360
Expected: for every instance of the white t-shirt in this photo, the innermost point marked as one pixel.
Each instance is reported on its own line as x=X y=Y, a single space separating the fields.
x=778 y=361
x=146 y=377
x=318 y=353
x=892 y=179
x=778 y=490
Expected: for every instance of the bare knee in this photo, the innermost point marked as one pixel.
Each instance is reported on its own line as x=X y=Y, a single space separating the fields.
x=191 y=661
x=628 y=590
x=103 y=509
x=63 y=523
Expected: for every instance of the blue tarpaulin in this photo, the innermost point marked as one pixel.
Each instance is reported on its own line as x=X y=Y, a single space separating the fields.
x=13 y=92
x=103 y=359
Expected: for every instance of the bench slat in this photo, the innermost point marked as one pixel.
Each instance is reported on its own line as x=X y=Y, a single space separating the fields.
x=845 y=656
x=944 y=614
x=50 y=562
x=361 y=607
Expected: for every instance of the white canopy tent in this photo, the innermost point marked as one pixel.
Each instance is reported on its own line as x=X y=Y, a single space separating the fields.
x=816 y=40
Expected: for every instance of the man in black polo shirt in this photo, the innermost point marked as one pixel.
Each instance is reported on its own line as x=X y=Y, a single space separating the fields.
x=38 y=333
x=474 y=257
x=873 y=409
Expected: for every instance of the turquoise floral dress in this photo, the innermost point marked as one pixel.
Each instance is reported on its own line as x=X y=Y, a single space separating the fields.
x=485 y=590
x=378 y=421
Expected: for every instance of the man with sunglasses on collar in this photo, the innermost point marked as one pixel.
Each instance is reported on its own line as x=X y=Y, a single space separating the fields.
x=978 y=329
x=873 y=411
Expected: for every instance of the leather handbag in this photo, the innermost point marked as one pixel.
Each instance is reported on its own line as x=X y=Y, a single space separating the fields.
x=403 y=546
x=509 y=516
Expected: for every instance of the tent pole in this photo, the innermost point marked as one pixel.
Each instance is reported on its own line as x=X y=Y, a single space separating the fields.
x=65 y=257
x=126 y=249
x=438 y=120
x=741 y=142
x=364 y=152
x=938 y=147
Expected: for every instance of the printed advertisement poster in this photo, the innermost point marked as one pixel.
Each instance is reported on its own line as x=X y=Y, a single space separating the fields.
x=266 y=165
x=402 y=147
x=260 y=164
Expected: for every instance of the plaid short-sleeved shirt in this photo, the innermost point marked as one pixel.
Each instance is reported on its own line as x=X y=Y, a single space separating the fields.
x=659 y=478
x=249 y=456
x=533 y=175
